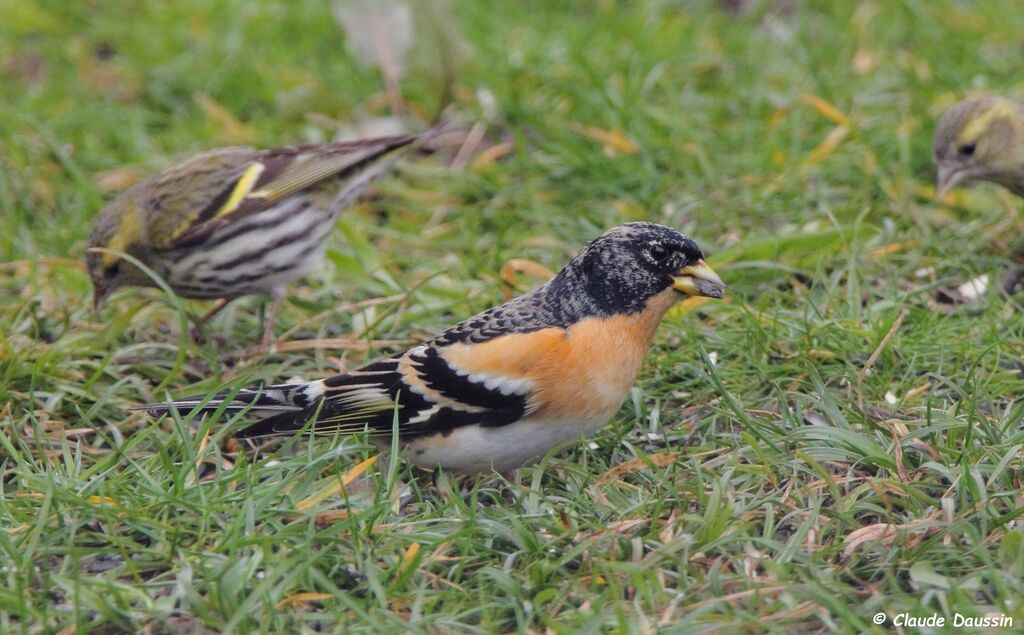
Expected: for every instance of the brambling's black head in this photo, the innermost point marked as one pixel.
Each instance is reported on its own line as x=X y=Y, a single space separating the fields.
x=980 y=139
x=629 y=264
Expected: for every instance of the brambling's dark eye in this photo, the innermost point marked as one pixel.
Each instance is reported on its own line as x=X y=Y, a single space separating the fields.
x=967 y=149
x=658 y=253
x=113 y=270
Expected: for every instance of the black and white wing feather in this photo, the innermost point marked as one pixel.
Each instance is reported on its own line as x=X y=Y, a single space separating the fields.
x=425 y=392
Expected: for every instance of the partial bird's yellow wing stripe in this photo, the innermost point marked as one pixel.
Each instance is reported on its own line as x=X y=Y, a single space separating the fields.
x=242 y=189
x=240 y=192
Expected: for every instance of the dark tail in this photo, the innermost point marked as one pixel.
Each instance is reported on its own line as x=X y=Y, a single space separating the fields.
x=274 y=409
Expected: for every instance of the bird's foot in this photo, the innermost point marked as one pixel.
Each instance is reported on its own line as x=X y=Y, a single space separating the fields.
x=1013 y=282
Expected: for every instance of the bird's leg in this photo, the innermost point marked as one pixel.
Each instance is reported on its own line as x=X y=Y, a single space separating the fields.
x=267 y=339
x=508 y=484
x=197 y=329
x=271 y=316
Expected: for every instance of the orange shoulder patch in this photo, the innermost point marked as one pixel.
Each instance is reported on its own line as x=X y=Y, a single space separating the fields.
x=583 y=372
x=516 y=356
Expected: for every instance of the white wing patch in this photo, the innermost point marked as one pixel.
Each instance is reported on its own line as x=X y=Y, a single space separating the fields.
x=504 y=385
x=313 y=391
x=426 y=414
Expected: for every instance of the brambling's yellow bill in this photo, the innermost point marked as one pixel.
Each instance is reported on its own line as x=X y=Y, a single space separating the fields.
x=698 y=279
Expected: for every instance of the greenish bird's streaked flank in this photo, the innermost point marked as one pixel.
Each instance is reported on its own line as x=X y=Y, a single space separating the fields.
x=234 y=221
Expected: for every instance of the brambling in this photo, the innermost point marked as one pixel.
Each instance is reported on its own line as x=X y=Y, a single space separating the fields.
x=504 y=387
x=981 y=139
x=235 y=221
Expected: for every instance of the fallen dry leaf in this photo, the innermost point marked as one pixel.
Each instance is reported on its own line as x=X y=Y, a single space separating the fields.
x=659 y=459
x=886 y=533
x=626 y=526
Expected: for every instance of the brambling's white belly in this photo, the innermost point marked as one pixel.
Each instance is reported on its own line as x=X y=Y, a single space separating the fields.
x=473 y=449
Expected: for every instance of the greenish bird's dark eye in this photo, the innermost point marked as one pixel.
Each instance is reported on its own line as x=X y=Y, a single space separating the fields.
x=967 y=149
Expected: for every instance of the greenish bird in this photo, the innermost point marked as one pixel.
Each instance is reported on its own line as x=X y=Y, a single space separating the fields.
x=235 y=221
x=981 y=139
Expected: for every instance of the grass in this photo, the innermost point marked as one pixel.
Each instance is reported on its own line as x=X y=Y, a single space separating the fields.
x=781 y=465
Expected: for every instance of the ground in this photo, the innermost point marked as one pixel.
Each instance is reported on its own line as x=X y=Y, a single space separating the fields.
x=829 y=443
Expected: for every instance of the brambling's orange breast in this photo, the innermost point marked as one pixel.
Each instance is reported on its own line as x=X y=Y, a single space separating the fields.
x=582 y=373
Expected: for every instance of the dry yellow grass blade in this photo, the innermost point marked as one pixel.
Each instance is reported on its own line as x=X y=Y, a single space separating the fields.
x=343 y=308
x=201 y=453
x=334 y=515
x=825 y=109
x=336 y=485
x=531 y=268
x=409 y=557
x=778 y=115
x=228 y=127
x=827 y=146
x=630 y=210
x=820 y=354
x=336 y=343
x=491 y=155
x=612 y=140
x=917 y=391
x=622 y=527
x=22 y=267
x=953 y=198
x=302 y=599
x=117 y=179
x=864 y=61
x=890 y=249
x=689 y=305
